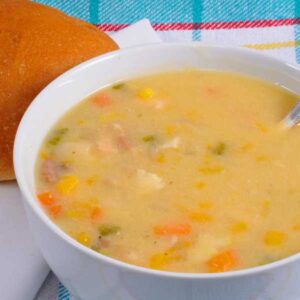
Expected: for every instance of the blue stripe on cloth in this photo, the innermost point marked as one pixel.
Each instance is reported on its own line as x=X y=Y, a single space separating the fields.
x=158 y=11
x=78 y=8
x=197 y=16
x=63 y=293
x=242 y=10
x=167 y=11
x=94 y=5
x=297 y=30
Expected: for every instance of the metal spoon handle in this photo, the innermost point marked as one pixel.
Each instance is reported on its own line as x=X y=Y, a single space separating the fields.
x=293 y=117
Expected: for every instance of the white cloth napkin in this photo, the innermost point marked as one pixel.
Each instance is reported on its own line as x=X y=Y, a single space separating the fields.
x=22 y=268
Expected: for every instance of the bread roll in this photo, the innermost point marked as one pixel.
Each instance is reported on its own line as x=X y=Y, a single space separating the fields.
x=38 y=43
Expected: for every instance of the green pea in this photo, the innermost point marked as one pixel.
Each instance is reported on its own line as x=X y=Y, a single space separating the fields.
x=107 y=229
x=149 y=138
x=118 y=86
x=57 y=136
x=219 y=149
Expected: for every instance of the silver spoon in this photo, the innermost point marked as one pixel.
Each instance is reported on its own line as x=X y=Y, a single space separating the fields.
x=293 y=117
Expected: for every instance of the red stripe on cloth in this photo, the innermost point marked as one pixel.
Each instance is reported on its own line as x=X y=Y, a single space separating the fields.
x=247 y=24
x=111 y=27
x=209 y=25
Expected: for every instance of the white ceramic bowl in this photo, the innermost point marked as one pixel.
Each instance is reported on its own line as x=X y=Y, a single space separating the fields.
x=91 y=276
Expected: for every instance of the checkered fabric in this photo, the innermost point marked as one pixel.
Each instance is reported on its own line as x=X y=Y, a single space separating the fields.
x=271 y=26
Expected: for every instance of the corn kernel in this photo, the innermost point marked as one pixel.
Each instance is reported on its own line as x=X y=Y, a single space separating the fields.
x=261 y=158
x=80 y=122
x=207 y=158
x=85 y=205
x=261 y=127
x=239 y=227
x=200 y=217
x=93 y=200
x=211 y=170
x=75 y=214
x=200 y=185
x=84 y=238
x=180 y=245
x=192 y=115
x=160 y=158
x=246 y=147
x=296 y=227
x=103 y=252
x=181 y=208
x=175 y=156
x=170 y=130
x=67 y=184
x=158 y=260
x=274 y=238
x=91 y=180
x=265 y=207
x=109 y=117
x=205 y=204
x=146 y=94
x=44 y=155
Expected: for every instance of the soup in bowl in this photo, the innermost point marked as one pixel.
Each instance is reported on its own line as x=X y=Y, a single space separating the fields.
x=169 y=175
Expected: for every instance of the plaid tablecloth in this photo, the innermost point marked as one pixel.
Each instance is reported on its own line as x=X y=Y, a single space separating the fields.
x=271 y=26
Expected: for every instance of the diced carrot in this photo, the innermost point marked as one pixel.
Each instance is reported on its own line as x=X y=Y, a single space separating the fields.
x=173 y=229
x=55 y=210
x=222 y=262
x=102 y=100
x=96 y=214
x=46 y=198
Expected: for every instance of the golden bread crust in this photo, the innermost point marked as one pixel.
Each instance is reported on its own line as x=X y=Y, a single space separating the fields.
x=38 y=43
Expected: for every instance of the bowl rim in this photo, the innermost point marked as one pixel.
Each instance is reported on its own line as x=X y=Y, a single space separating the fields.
x=38 y=211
